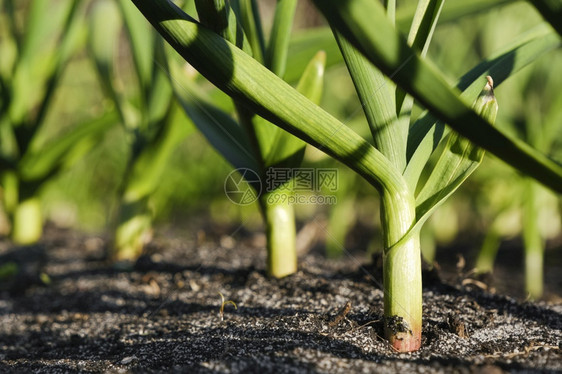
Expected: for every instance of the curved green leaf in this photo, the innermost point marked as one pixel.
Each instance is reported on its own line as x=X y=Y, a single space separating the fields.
x=364 y=23
x=456 y=161
x=41 y=163
x=142 y=45
x=259 y=89
x=426 y=133
x=152 y=161
x=276 y=54
x=452 y=11
x=250 y=21
x=304 y=45
x=224 y=134
x=376 y=94
x=219 y=16
x=105 y=26
x=287 y=147
x=551 y=10
x=420 y=35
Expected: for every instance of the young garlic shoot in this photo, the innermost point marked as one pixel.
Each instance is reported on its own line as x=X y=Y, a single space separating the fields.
x=456 y=160
x=223 y=304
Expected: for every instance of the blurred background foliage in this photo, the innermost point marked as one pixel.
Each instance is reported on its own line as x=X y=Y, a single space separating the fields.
x=494 y=207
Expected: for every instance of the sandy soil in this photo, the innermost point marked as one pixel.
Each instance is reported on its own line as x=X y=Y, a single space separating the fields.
x=163 y=315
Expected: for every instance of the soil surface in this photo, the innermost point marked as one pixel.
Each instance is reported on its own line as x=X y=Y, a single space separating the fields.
x=67 y=310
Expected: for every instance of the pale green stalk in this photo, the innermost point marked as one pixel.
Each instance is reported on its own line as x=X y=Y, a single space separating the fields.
x=533 y=242
x=488 y=251
x=279 y=216
x=401 y=272
x=27 y=221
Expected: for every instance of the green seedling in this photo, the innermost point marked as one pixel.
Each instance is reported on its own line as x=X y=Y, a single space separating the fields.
x=249 y=142
x=30 y=155
x=422 y=163
x=8 y=270
x=514 y=204
x=148 y=115
x=224 y=304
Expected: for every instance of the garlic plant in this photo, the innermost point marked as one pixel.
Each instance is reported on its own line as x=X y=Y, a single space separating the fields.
x=414 y=164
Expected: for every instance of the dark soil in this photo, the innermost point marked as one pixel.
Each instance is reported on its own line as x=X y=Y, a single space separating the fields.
x=162 y=315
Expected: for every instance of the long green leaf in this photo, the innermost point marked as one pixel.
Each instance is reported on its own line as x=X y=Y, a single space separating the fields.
x=304 y=45
x=551 y=10
x=276 y=54
x=219 y=16
x=246 y=80
x=364 y=23
x=426 y=133
x=37 y=165
x=250 y=21
x=376 y=94
x=142 y=47
x=41 y=24
x=457 y=160
x=452 y=11
x=287 y=150
x=67 y=46
x=152 y=161
x=224 y=134
x=105 y=26
x=160 y=95
x=31 y=73
x=421 y=31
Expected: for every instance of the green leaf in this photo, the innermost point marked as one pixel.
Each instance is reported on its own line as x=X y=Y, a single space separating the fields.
x=452 y=11
x=40 y=26
x=219 y=16
x=160 y=94
x=32 y=77
x=551 y=10
x=456 y=161
x=423 y=24
x=363 y=22
x=285 y=146
x=426 y=133
x=40 y=164
x=70 y=42
x=276 y=54
x=224 y=134
x=304 y=45
x=376 y=94
x=9 y=149
x=141 y=39
x=105 y=27
x=250 y=20
x=421 y=31
x=152 y=161
x=247 y=81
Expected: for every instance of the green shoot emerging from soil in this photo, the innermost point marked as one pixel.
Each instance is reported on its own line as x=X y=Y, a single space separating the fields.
x=224 y=303
x=415 y=164
x=248 y=141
